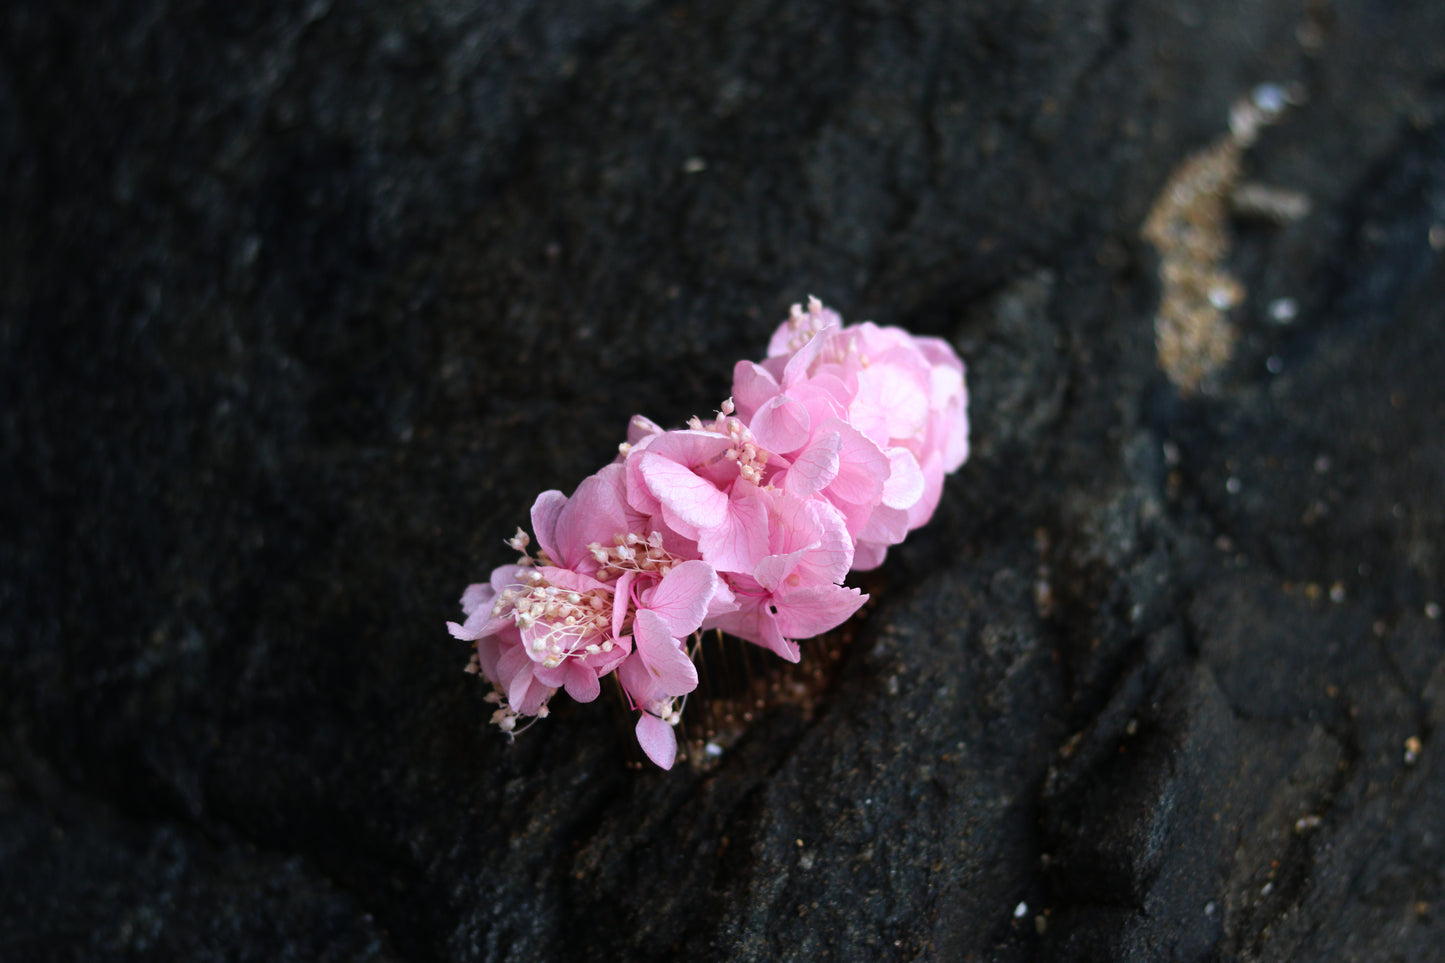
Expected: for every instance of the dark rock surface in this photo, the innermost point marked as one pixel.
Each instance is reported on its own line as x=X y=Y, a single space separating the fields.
x=300 y=306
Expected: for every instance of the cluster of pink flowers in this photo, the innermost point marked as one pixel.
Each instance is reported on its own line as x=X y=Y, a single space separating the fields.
x=828 y=452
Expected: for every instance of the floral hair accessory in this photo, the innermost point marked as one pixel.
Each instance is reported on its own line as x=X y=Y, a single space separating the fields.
x=829 y=451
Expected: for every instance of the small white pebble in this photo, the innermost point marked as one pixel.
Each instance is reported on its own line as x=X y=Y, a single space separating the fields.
x=1266 y=889
x=1222 y=297
x=1432 y=611
x=1021 y=910
x=1210 y=909
x=1232 y=485
x=1283 y=310
x=1412 y=750
x=1337 y=592
x=694 y=165
x=1269 y=98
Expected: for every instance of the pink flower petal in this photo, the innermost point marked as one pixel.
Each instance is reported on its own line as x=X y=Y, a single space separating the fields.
x=945 y=384
x=582 y=682
x=741 y=538
x=478 y=596
x=774 y=639
x=545 y=512
x=743 y=620
x=641 y=427
x=603 y=663
x=807 y=612
x=753 y=385
x=830 y=558
x=597 y=511
x=621 y=600
x=949 y=431
x=818 y=529
x=636 y=681
x=922 y=510
x=773 y=571
x=489 y=650
x=781 y=425
x=681 y=598
x=868 y=556
x=692 y=448
x=905 y=479
x=524 y=694
x=723 y=601
x=885 y=525
x=796 y=369
x=816 y=467
x=695 y=501
x=893 y=394
x=657 y=740
x=672 y=671
x=639 y=498
x=862 y=466
x=479 y=624
x=565 y=578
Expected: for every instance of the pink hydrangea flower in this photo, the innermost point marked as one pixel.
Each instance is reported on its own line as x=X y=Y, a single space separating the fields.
x=794 y=591
x=831 y=449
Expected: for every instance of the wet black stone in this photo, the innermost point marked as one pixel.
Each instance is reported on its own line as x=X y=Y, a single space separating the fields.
x=301 y=305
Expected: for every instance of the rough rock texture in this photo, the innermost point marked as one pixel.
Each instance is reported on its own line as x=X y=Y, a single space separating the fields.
x=301 y=306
